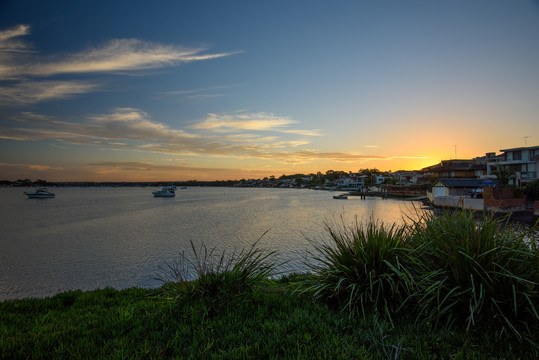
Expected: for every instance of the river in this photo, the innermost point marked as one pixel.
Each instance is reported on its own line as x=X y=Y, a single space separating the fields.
x=88 y=238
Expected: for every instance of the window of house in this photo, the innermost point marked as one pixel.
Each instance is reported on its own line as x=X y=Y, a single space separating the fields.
x=517 y=155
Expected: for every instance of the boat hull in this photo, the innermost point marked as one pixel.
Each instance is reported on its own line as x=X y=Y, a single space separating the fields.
x=157 y=194
x=39 y=194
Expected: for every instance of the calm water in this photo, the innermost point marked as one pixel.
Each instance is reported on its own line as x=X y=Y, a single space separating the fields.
x=88 y=238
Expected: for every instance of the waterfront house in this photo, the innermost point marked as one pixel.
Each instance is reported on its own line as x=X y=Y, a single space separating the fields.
x=459 y=187
x=459 y=169
x=465 y=193
x=536 y=159
x=351 y=182
x=406 y=177
x=522 y=163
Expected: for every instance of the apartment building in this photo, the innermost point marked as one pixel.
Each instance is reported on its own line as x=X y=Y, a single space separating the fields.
x=522 y=162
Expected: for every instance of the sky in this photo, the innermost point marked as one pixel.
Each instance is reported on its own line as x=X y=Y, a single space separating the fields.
x=225 y=90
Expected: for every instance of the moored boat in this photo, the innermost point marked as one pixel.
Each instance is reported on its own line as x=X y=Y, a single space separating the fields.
x=340 y=197
x=166 y=191
x=40 y=193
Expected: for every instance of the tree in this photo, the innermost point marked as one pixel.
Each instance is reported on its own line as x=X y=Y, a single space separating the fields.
x=369 y=172
x=503 y=175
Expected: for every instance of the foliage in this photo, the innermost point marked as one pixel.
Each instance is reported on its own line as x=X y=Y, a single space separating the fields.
x=448 y=268
x=503 y=175
x=532 y=190
x=477 y=273
x=265 y=324
x=218 y=275
x=370 y=180
x=362 y=267
x=367 y=171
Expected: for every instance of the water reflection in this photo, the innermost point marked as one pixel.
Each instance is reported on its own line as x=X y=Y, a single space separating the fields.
x=88 y=238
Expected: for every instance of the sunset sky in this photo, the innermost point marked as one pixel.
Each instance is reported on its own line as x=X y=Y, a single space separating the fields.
x=216 y=90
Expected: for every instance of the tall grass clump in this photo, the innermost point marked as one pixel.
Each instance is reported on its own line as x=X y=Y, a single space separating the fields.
x=362 y=267
x=477 y=273
x=219 y=276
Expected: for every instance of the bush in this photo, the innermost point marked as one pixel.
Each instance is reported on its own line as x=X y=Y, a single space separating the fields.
x=220 y=277
x=477 y=273
x=441 y=268
x=362 y=268
x=532 y=190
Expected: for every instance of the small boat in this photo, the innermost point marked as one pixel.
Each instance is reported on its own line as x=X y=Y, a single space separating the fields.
x=40 y=193
x=340 y=197
x=166 y=191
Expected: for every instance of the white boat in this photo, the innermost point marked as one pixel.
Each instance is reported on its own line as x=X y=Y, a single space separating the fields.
x=40 y=193
x=340 y=197
x=166 y=191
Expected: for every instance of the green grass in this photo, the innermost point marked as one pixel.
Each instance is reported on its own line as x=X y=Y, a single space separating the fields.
x=263 y=324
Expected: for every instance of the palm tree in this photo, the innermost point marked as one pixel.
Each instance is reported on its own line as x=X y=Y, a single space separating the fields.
x=503 y=175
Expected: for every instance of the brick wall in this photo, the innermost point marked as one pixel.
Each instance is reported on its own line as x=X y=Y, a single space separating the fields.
x=503 y=197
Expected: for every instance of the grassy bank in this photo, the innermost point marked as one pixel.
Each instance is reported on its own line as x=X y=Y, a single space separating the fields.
x=443 y=287
x=133 y=323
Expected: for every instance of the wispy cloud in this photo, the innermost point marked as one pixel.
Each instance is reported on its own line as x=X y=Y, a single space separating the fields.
x=7 y=36
x=21 y=66
x=122 y=124
x=258 y=121
x=119 y=55
x=129 y=128
x=304 y=132
x=36 y=91
x=134 y=166
x=199 y=94
x=29 y=167
x=202 y=96
x=11 y=45
x=407 y=157
x=251 y=122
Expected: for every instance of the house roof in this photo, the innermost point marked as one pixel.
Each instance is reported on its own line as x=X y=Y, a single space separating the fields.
x=464 y=183
x=458 y=165
x=521 y=148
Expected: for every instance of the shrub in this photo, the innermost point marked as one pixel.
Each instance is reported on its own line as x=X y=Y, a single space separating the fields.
x=532 y=190
x=477 y=273
x=220 y=277
x=361 y=268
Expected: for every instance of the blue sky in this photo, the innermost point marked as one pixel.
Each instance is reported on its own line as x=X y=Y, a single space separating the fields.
x=211 y=90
